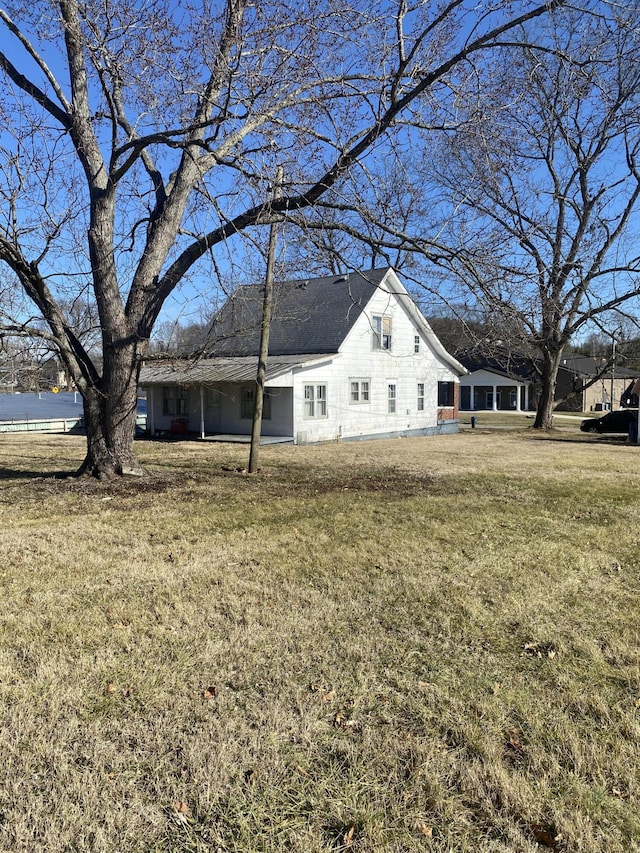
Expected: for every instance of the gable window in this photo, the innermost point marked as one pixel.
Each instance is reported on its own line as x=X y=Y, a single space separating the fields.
x=421 y=396
x=392 y=397
x=416 y=343
x=315 y=401
x=381 y=332
x=174 y=400
x=359 y=391
x=247 y=402
x=446 y=393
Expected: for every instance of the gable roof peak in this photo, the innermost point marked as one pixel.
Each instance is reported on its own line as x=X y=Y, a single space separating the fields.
x=310 y=315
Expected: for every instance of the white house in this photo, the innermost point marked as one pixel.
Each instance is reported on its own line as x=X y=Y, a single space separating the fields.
x=497 y=385
x=349 y=357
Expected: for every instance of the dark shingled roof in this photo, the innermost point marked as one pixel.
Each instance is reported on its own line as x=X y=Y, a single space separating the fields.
x=310 y=316
x=512 y=365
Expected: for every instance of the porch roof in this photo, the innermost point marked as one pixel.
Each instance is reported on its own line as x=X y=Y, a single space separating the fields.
x=208 y=371
x=503 y=377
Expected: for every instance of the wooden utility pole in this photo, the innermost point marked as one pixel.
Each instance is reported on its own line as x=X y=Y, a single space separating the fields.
x=264 y=335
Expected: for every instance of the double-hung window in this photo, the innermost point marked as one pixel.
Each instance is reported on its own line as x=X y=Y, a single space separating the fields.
x=174 y=400
x=315 y=401
x=359 y=391
x=421 y=396
x=381 y=331
x=392 y=397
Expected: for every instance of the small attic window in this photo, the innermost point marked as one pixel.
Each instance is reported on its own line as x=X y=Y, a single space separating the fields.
x=416 y=343
x=381 y=332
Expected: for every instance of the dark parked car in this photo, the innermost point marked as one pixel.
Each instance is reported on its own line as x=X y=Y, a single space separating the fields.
x=611 y=422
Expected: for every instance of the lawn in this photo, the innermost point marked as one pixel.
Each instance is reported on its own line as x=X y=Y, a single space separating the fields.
x=425 y=644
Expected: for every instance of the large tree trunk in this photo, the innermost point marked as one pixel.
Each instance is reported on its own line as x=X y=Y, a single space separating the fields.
x=548 y=381
x=110 y=418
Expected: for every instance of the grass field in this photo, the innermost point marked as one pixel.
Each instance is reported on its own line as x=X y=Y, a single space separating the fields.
x=413 y=645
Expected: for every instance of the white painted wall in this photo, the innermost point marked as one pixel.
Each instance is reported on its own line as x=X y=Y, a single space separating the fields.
x=358 y=360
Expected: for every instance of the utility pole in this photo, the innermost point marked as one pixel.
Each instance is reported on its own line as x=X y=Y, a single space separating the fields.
x=613 y=369
x=264 y=334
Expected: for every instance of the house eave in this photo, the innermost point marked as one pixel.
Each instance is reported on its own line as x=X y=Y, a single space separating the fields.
x=221 y=369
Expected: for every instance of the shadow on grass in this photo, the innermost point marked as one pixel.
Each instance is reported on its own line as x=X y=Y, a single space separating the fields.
x=569 y=438
x=15 y=474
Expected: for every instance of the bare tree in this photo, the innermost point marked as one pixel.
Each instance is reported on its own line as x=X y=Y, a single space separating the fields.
x=138 y=140
x=546 y=185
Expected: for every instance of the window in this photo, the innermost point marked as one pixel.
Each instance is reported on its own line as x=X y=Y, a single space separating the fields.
x=421 y=396
x=446 y=393
x=359 y=392
x=381 y=332
x=174 y=400
x=315 y=401
x=416 y=343
x=247 y=401
x=392 y=396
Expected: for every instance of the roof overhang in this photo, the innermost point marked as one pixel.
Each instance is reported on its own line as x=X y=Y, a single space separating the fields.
x=210 y=371
x=392 y=284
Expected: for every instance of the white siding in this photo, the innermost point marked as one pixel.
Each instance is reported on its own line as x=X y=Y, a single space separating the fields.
x=358 y=359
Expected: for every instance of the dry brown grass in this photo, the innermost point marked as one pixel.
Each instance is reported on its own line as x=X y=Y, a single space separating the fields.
x=426 y=644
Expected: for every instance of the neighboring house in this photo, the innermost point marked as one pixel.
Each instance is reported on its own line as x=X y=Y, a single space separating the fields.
x=504 y=383
x=349 y=357
x=53 y=375
x=604 y=394
x=508 y=382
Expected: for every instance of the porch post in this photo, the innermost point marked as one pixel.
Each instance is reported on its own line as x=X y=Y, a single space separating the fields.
x=151 y=414
x=472 y=398
x=495 y=398
x=526 y=397
x=201 y=411
x=518 y=408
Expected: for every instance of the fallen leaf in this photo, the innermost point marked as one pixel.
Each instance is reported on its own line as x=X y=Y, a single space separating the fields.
x=347 y=838
x=110 y=689
x=209 y=693
x=540 y=650
x=342 y=721
x=546 y=835
x=303 y=772
x=127 y=692
x=251 y=776
x=182 y=807
x=425 y=829
x=340 y=718
x=514 y=740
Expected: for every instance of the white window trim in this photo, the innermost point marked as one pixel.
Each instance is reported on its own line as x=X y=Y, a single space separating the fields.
x=315 y=400
x=360 y=400
x=392 y=398
x=381 y=339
